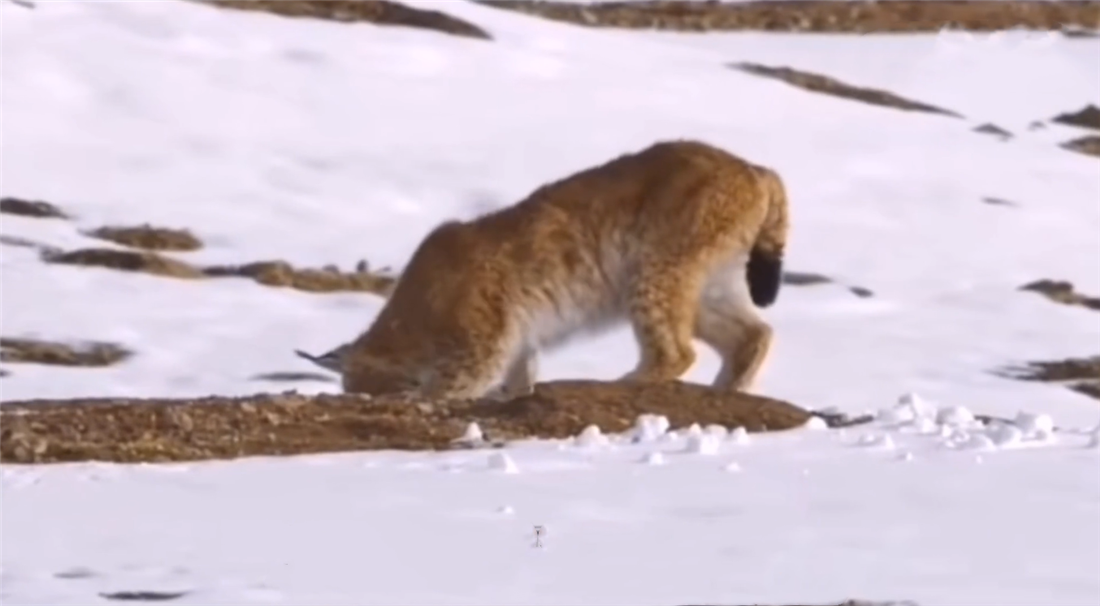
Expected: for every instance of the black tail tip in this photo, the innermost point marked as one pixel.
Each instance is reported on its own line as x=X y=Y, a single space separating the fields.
x=764 y=274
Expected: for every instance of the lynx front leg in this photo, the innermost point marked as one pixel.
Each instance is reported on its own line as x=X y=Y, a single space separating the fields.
x=732 y=327
x=520 y=378
x=662 y=314
x=522 y=374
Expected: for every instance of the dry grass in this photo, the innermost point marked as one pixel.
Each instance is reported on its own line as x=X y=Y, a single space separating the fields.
x=820 y=16
x=31 y=208
x=34 y=351
x=1062 y=292
x=147 y=237
x=268 y=424
x=378 y=12
x=829 y=86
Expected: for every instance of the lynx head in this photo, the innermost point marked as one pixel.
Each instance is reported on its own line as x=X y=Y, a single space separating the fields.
x=369 y=375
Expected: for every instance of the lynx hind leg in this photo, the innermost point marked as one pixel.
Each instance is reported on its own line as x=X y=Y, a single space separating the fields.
x=729 y=323
x=662 y=314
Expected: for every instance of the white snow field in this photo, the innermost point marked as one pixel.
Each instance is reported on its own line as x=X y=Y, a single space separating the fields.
x=322 y=142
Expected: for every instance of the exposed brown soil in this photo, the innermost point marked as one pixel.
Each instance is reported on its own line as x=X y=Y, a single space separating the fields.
x=126 y=260
x=830 y=86
x=1063 y=292
x=1087 y=117
x=31 y=208
x=153 y=430
x=994 y=201
x=144 y=596
x=268 y=273
x=1079 y=374
x=293 y=376
x=819 y=16
x=802 y=278
x=328 y=279
x=844 y=603
x=26 y=243
x=993 y=129
x=147 y=237
x=1086 y=145
x=34 y=351
x=378 y=12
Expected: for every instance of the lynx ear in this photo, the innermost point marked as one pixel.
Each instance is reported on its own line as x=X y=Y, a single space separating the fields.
x=329 y=361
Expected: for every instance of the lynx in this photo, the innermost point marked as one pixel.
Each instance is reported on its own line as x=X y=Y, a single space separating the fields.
x=682 y=240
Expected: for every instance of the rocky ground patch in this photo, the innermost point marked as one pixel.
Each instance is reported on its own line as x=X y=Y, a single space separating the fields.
x=378 y=12
x=802 y=278
x=31 y=208
x=147 y=244
x=147 y=237
x=1079 y=374
x=830 y=86
x=1062 y=292
x=1087 y=117
x=1076 y=18
x=1088 y=145
x=54 y=353
x=293 y=377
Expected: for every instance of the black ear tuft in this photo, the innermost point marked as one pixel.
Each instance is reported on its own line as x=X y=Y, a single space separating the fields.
x=310 y=357
x=764 y=274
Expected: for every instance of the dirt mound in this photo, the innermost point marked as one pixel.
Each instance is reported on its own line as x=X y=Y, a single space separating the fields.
x=1089 y=145
x=147 y=237
x=829 y=86
x=31 y=208
x=33 y=351
x=1088 y=117
x=282 y=424
x=378 y=12
x=1062 y=292
x=819 y=15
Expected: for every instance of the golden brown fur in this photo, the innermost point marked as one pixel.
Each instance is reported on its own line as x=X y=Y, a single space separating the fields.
x=660 y=238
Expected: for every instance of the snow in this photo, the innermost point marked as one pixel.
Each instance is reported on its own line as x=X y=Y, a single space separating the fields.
x=328 y=143
x=472 y=433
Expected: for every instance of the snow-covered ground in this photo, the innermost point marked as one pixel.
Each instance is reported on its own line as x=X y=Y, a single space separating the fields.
x=319 y=142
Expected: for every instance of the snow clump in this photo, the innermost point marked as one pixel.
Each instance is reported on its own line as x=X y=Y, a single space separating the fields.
x=649 y=428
